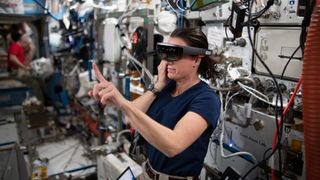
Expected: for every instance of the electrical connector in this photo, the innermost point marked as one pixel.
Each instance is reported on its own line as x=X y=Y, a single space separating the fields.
x=248 y=110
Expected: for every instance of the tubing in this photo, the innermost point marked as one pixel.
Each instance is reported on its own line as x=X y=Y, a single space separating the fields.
x=274 y=142
x=311 y=97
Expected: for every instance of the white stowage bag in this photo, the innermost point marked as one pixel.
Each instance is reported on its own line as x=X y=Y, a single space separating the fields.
x=166 y=22
x=42 y=67
x=111 y=41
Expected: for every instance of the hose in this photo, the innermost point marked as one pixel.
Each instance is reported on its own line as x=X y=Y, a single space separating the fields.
x=311 y=98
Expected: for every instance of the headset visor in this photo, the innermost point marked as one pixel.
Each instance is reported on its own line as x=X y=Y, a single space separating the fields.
x=173 y=52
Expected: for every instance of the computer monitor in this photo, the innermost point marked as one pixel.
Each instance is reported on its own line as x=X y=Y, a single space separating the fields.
x=127 y=174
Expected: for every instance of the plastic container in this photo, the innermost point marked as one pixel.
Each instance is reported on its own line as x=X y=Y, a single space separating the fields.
x=13 y=96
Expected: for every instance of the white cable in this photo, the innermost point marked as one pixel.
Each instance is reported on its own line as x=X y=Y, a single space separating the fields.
x=125 y=13
x=252 y=91
x=227 y=96
x=120 y=134
x=215 y=133
x=227 y=101
x=140 y=65
x=222 y=134
x=221 y=101
x=177 y=4
x=234 y=73
x=181 y=14
x=233 y=154
x=76 y=68
x=222 y=118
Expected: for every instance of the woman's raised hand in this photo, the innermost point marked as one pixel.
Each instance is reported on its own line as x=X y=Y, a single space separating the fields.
x=105 y=91
x=162 y=75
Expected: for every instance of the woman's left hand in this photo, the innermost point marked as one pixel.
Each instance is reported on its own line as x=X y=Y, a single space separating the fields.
x=105 y=91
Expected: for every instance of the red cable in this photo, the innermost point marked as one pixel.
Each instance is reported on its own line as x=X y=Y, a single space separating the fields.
x=274 y=142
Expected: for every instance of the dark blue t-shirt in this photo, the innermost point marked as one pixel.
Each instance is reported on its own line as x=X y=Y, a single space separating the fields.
x=168 y=110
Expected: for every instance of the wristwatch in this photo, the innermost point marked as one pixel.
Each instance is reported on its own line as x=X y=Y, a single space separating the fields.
x=154 y=90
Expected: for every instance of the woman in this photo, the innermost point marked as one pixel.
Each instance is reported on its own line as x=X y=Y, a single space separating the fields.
x=179 y=114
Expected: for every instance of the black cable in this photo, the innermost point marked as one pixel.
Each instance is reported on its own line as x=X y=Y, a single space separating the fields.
x=306 y=22
x=265 y=166
x=265 y=152
x=270 y=2
x=279 y=129
x=260 y=13
x=291 y=57
x=259 y=164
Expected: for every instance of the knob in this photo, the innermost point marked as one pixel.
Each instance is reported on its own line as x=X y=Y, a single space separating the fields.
x=276 y=15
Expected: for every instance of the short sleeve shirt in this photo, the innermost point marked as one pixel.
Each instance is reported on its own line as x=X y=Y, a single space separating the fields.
x=17 y=50
x=168 y=110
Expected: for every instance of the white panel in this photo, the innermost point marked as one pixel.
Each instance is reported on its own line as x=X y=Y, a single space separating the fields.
x=215 y=35
x=272 y=42
x=219 y=13
x=115 y=164
x=248 y=138
x=282 y=12
x=217 y=41
x=244 y=53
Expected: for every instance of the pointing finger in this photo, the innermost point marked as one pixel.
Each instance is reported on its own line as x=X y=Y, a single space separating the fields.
x=98 y=74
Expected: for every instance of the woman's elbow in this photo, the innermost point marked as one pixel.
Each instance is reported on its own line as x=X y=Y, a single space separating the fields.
x=173 y=151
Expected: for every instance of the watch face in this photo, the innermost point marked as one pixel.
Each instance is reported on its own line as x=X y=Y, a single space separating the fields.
x=150 y=87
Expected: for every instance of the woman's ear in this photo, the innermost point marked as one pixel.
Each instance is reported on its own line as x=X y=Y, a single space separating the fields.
x=198 y=59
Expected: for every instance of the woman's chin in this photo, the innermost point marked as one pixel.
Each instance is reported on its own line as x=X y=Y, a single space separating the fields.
x=171 y=76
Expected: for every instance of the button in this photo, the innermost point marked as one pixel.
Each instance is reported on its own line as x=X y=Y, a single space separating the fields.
x=291 y=2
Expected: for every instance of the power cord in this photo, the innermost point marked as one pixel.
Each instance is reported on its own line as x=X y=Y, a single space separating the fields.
x=260 y=13
x=279 y=129
x=291 y=57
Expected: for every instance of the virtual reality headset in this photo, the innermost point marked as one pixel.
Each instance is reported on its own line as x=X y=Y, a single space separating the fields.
x=173 y=52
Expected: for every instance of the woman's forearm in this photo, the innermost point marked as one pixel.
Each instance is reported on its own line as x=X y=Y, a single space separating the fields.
x=144 y=101
x=156 y=134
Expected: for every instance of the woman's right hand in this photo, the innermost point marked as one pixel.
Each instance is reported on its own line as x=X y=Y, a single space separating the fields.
x=105 y=91
x=162 y=76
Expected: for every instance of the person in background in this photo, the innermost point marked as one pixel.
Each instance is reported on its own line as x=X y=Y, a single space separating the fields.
x=16 y=56
x=26 y=40
x=17 y=65
x=177 y=116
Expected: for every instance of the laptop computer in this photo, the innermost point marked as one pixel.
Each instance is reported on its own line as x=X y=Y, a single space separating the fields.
x=127 y=174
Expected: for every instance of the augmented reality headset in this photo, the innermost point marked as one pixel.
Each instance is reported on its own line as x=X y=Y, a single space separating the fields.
x=173 y=52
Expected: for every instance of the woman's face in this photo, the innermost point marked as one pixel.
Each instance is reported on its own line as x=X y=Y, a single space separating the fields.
x=182 y=68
